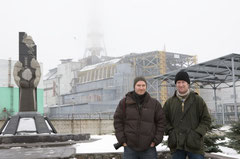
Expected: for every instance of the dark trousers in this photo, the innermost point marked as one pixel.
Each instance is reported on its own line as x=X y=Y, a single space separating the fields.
x=181 y=154
x=150 y=153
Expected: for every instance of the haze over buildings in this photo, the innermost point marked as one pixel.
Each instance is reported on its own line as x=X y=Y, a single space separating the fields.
x=208 y=29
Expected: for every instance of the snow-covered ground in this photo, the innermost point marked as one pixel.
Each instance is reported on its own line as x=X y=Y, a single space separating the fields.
x=225 y=128
x=225 y=150
x=228 y=152
x=104 y=143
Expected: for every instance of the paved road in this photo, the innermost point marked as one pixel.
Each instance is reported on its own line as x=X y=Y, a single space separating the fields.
x=38 y=152
x=44 y=150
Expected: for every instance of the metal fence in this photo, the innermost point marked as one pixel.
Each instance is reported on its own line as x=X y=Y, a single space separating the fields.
x=108 y=115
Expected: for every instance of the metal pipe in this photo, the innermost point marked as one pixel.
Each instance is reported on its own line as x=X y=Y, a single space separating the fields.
x=223 y=114
x=234 y=91
x=215 y=99
x=157 y=90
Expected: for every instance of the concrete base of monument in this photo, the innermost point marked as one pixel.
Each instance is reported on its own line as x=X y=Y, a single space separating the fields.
x=32 y=127
x=27 y=123
x=41 y=138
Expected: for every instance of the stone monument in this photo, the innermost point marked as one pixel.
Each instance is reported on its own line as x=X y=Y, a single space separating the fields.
x=27 y=73
x=28 y=123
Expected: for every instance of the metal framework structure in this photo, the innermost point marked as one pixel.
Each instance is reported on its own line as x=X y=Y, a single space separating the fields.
x=222 y=72
x=155 y=63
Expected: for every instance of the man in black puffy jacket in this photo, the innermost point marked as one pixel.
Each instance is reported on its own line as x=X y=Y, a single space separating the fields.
x=139 y=123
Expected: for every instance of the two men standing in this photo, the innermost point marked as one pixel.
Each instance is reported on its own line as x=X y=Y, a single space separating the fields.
x=140 y=121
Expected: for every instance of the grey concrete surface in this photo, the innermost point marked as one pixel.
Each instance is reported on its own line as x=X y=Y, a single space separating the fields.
x=40 y=150
x=63 y=152
x=43 y=138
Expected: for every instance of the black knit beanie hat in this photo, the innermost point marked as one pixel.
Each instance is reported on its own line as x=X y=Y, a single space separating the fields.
x=140 y=78
x=182 y=76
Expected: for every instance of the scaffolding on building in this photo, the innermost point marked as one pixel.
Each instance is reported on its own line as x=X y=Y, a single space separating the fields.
x=156 y=63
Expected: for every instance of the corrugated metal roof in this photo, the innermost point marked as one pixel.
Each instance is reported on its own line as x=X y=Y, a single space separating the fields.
x=216 y=71
x=91 y=67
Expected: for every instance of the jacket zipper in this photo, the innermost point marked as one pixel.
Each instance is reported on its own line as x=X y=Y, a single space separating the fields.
x=139 y=122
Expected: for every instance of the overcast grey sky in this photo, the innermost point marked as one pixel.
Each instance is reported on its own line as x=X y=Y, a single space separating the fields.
x=206 y=28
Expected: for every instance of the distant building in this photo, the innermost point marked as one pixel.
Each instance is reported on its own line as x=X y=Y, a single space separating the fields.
x=96 y=84
x=224 y=100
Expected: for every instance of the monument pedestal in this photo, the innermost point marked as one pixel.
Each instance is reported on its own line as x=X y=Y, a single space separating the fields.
x=27 y=123
x=31 y=127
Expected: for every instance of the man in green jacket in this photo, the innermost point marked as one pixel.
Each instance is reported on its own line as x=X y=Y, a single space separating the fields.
x=187 y=119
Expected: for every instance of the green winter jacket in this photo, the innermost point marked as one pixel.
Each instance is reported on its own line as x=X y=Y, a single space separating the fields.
x=186 y=129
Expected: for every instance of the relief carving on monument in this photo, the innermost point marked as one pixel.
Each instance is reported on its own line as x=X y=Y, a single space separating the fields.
x=27 y=73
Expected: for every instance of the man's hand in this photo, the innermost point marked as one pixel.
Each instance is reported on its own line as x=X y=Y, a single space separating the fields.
x=124 y=144
x=152 y=144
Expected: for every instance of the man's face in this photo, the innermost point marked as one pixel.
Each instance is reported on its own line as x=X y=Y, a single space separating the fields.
x=182 y=86
x=140 y=87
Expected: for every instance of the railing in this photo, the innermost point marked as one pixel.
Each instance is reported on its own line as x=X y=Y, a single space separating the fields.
x=81 y=116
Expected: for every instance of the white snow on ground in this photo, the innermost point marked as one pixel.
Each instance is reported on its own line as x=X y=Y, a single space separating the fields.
x=228 y=152
x=225 y=150
x=225 y=128
x=104 y=144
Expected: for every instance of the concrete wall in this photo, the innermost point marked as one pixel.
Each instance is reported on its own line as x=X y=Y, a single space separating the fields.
x=65 y=73
x=50 y=92
x=66 y=112
x=92 y=126
x=93 y=94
